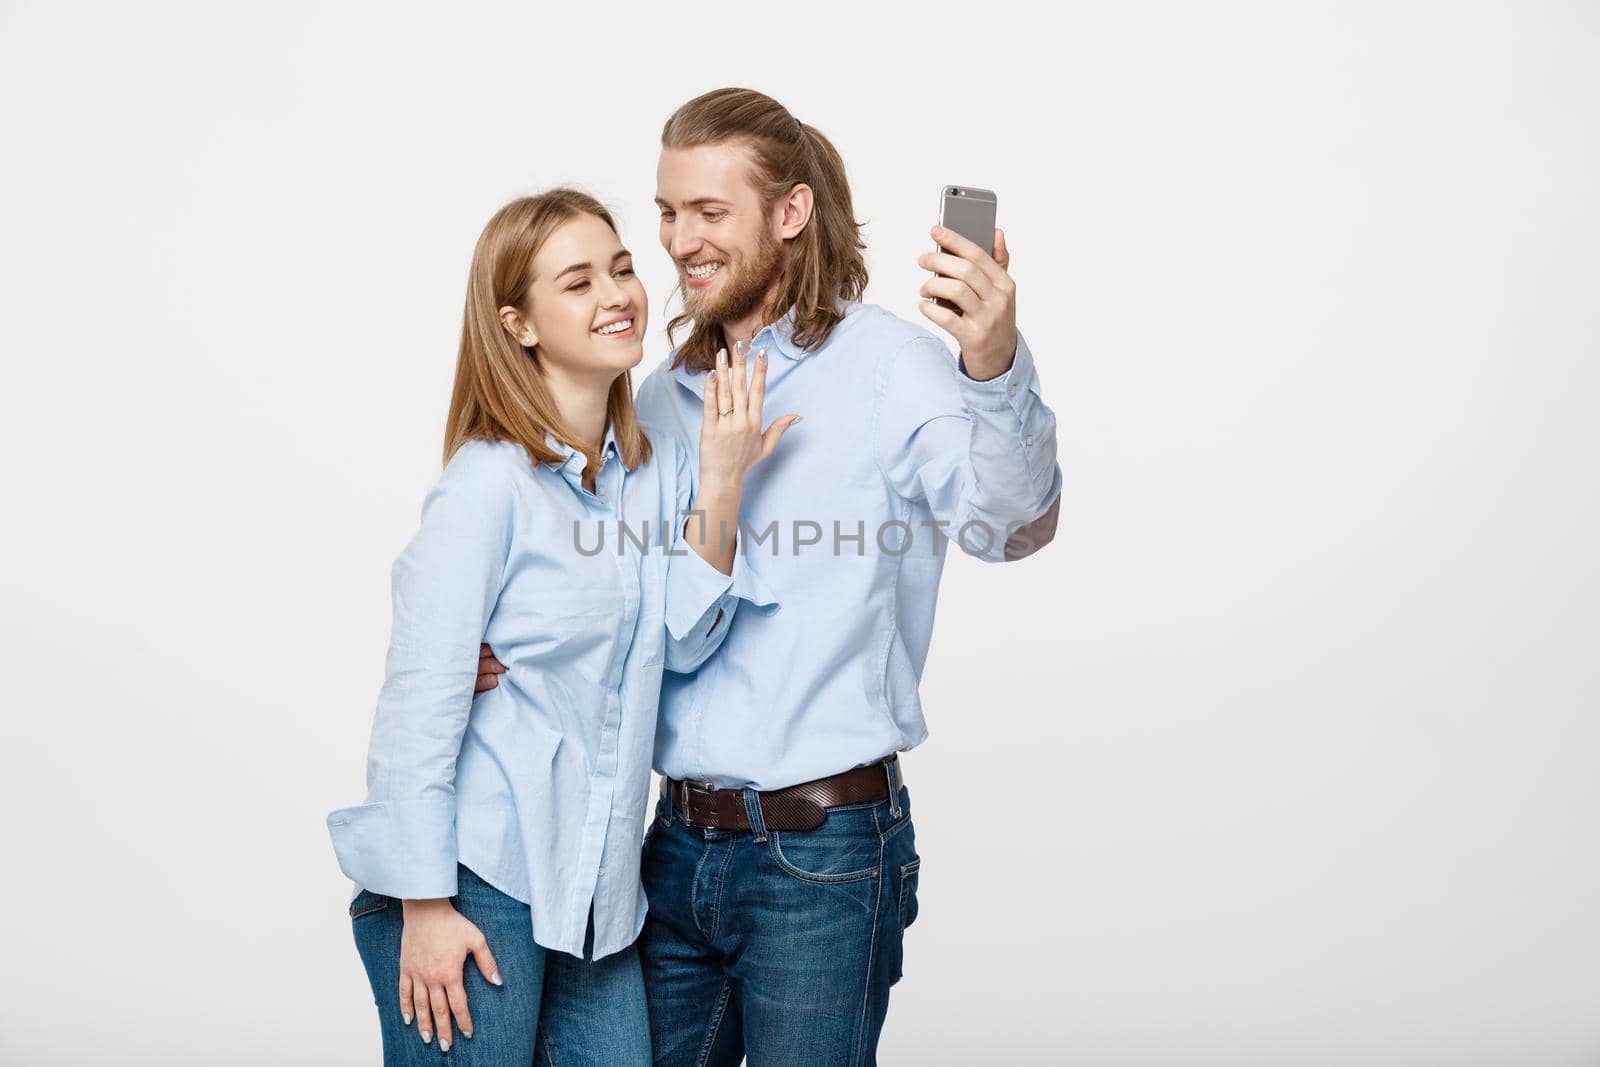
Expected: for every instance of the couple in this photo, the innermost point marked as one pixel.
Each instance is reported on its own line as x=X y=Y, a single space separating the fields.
x=600 y=586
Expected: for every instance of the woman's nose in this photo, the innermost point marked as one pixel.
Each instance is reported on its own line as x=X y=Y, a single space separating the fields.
x=611 y=294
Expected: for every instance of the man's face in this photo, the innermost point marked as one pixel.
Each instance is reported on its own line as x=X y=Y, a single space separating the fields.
x=725 y=246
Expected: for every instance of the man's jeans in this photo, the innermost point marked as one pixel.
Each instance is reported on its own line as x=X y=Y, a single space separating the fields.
x=779 y=946
x=552 y=1009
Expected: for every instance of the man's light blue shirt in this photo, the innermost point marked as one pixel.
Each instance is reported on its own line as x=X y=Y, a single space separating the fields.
x=540 y=785
x=898 y=453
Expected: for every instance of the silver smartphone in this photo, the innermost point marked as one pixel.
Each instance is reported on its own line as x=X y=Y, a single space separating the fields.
x=970 y=212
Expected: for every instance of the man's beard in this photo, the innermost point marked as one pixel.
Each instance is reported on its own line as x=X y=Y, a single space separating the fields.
x=741 y=292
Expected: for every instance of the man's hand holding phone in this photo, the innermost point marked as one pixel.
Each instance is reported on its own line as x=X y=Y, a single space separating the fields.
x=977 y=283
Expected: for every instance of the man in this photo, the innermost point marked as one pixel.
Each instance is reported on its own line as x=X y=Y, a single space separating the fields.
x=781 y=868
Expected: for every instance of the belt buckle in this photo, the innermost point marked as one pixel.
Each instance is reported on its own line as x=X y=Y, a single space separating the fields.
x=684 y=788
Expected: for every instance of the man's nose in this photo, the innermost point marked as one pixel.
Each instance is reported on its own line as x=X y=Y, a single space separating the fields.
x=684 y=240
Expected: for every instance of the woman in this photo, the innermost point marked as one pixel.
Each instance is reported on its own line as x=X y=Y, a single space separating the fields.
x=507 y=826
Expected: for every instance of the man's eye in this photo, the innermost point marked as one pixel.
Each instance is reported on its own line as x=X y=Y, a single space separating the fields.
x=713 y=216
x=666 y=216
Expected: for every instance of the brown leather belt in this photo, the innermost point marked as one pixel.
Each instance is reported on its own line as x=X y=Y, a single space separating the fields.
x=799 y=807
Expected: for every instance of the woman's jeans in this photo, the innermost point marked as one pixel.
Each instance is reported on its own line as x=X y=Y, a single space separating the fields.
x=554 y=1009
x=779 y=946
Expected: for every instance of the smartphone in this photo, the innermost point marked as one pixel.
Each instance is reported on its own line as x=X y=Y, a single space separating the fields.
x=970 y=212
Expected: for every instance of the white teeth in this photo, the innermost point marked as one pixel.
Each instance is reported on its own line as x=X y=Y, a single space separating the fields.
x=705 y=270
x=616 y=327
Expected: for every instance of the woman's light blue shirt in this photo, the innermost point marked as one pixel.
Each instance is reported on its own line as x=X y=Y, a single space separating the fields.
x=539 y=785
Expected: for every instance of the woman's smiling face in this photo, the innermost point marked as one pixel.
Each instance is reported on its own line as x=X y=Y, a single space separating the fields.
x=586 y=308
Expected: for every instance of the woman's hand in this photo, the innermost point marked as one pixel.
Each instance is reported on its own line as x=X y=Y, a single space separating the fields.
x=435 y=941
x=731 y=439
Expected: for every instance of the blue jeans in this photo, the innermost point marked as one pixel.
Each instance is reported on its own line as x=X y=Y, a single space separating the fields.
x=778 y=946
x=552 y=1009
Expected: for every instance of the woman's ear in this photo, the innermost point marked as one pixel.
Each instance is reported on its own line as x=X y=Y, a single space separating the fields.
x=518 y=327
x=795 y=211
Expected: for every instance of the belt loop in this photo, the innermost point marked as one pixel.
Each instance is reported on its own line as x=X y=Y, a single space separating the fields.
x=680 y=801
x=752 y=811
x=892 y=770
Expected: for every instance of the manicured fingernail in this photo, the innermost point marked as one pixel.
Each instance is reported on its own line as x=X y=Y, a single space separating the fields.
x=495 y=978
x=407 y=1017
x=722 y=358
x=761 y=354
x=468 y=1033
x=426 y=1037
x=797 y=418
x=444 y=1044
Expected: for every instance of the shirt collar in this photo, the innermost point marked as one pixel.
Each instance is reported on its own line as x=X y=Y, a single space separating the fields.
x=781 y=334
x=777 y=336
x=573 y=459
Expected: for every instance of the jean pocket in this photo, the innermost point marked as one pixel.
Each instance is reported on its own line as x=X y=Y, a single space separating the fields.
x=365 y=903
x=908 y=892
x=846 y=848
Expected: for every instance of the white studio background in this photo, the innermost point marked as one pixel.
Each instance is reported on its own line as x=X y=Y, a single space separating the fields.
x=1283 y=754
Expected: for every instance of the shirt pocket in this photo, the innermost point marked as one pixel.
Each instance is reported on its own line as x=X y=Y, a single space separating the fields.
x=578 y=608
x=562 y=622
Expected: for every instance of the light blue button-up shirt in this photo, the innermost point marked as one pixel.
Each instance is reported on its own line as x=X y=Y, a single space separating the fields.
x=899 y=453
x=539 y=785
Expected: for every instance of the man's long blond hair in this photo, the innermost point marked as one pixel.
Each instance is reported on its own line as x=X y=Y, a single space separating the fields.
x=500 y=392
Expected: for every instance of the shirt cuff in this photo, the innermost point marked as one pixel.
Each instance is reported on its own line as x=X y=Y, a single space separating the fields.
x=1009 y=390
x=404 y=849
x=696 y=589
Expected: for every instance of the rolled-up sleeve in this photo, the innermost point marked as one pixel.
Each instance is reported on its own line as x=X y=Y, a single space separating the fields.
x=981 y=454
x=701 y=600
x=402 y=841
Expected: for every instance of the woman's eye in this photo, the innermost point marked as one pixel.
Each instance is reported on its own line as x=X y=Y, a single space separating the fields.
x=578 y=288
x=626 y=271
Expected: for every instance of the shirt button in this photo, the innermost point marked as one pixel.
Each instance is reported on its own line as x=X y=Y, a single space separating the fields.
x=696 y=716
x=1028 y=440
x=1011 y=390
x=601 y=871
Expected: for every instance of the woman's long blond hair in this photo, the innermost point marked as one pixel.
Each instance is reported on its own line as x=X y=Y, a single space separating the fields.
x=500 y=392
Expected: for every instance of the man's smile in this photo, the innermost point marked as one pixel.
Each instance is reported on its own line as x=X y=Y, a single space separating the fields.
x=700 y=274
